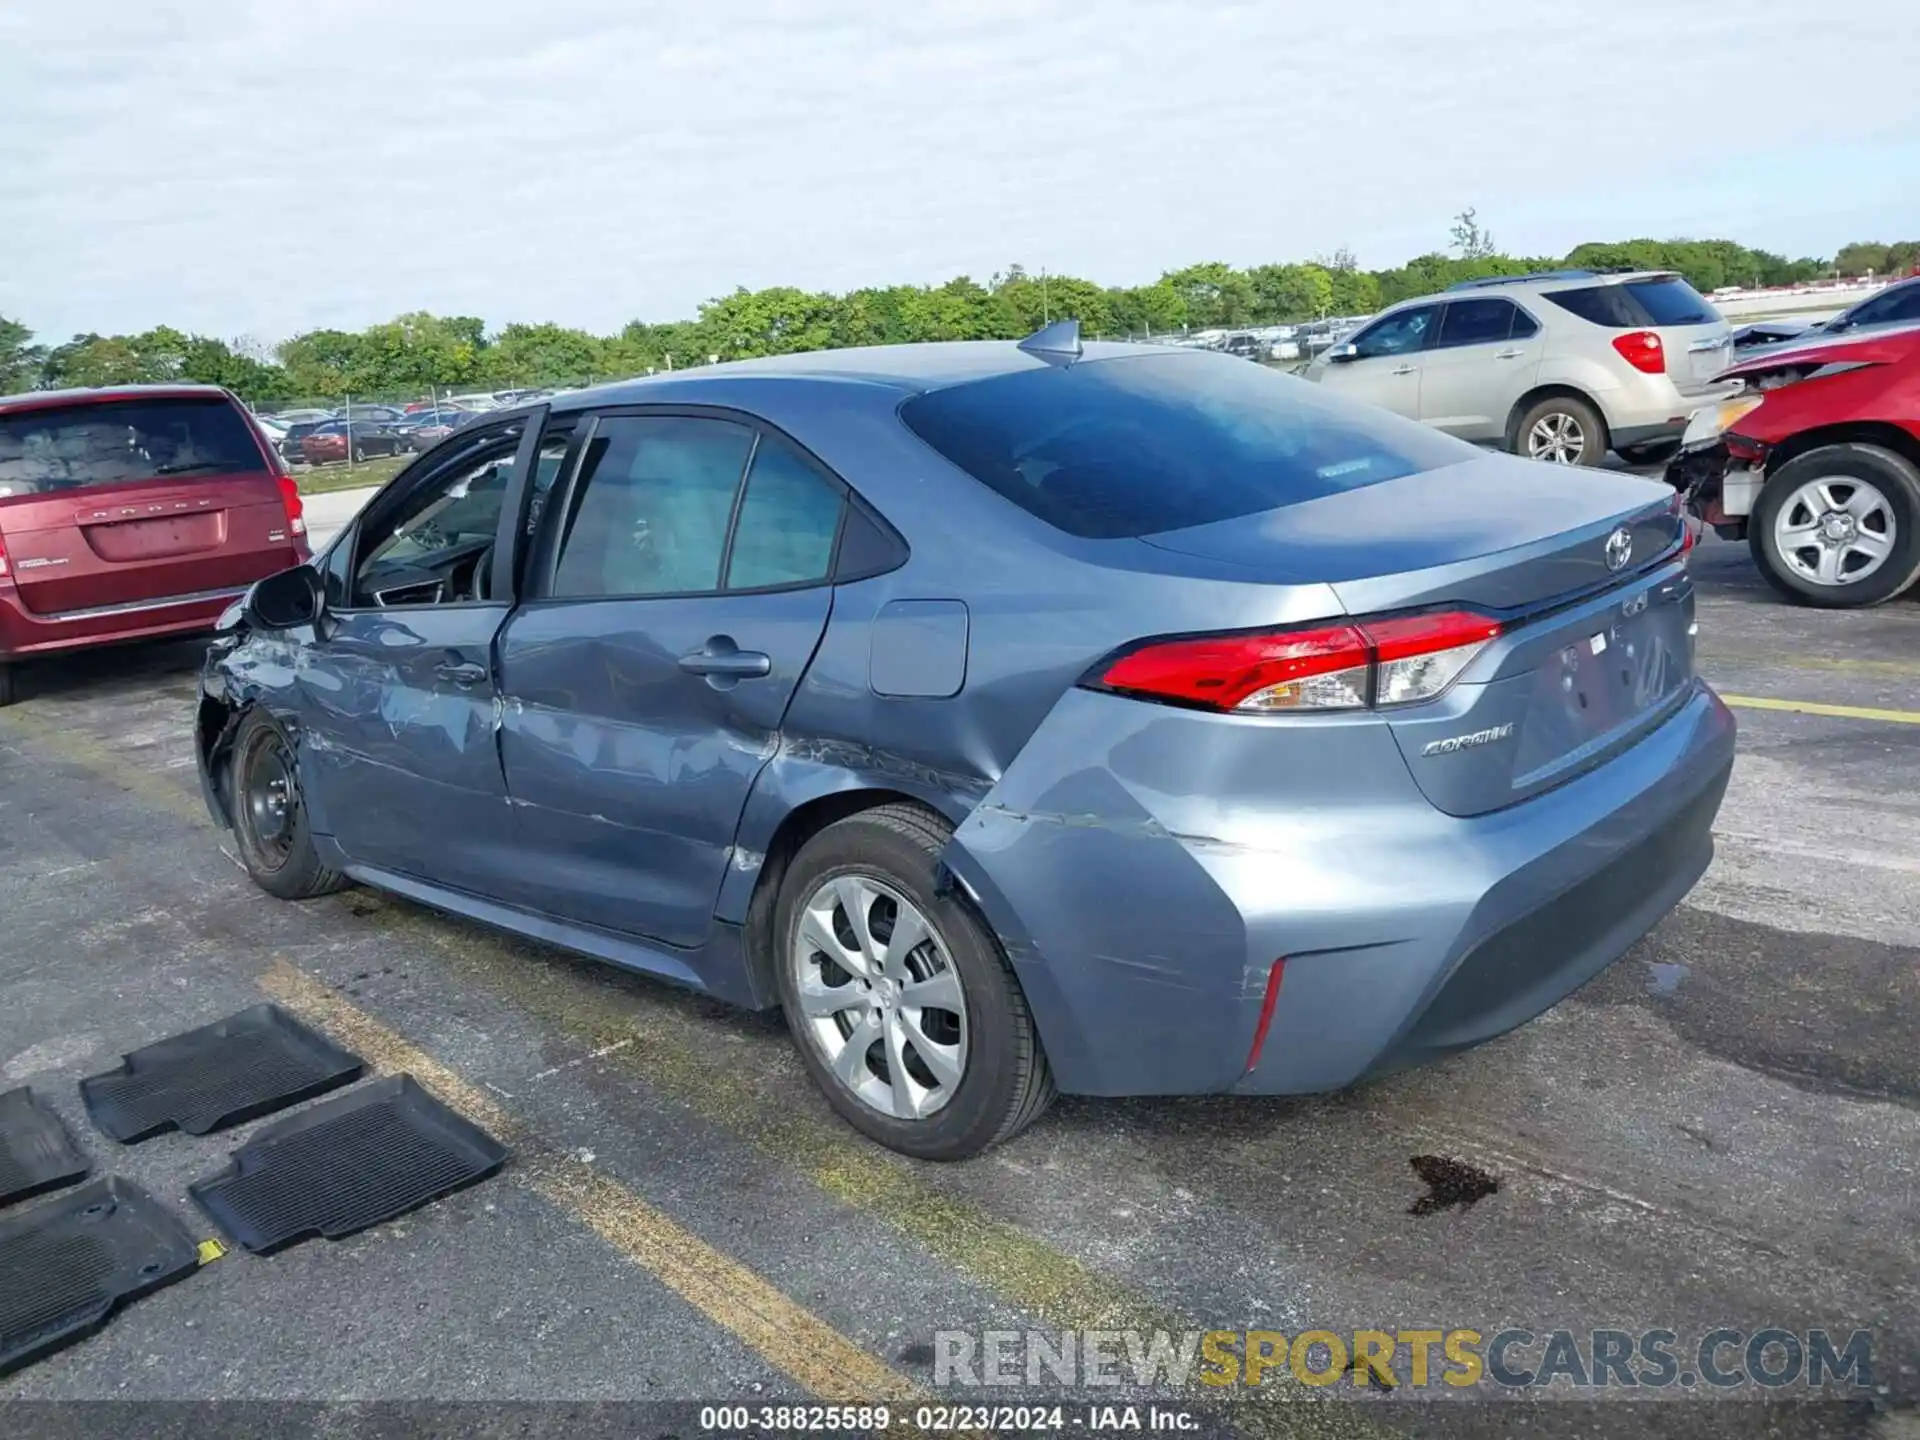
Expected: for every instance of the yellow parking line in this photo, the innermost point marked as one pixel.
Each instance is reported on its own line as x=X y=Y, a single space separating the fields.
x=792 y=1339
x=1025 y=1271
x=1814 y=707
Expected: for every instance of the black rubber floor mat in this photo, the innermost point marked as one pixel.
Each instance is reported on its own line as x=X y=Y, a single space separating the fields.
x=357 y=1160
x=68 y=1263
x=233 y=1070
x=36 y=1153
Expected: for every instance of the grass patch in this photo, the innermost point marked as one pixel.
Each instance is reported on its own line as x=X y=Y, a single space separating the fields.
x=343 y=477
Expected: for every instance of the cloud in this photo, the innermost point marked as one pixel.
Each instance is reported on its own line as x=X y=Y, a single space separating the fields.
x=249 y=166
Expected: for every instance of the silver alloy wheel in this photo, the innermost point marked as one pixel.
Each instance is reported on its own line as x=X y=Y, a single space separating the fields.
x=1557 y=438
x=1836 y=530
x=880 y=996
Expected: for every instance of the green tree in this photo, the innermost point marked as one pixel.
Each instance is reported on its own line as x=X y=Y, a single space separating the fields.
x=544 y=355
x=1214 y=293
x=1292 y=292
x=20 y=359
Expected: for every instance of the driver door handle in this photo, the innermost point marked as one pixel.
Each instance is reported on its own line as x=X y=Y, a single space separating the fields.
x=721 y=659
x=461 y=672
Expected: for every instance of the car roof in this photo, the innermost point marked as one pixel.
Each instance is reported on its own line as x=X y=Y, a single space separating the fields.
x=906 y=369
x=56 y=399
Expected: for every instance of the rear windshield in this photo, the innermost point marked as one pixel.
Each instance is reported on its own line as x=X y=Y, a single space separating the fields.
x=1138 y=446
x=78 y=447
x=1633 y=304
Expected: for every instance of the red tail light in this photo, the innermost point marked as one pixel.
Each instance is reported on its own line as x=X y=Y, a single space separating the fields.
x=1396 y=660
x=3 y=559
x=290 y=498
x=1642 y=350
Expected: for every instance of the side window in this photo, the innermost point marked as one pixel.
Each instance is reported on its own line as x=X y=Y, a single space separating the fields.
x=788 y=522
x=430 y=550
x=1524 y=325
x=1398 y=334
x=651 y=507
x=1888 y=308
x=1476 y=322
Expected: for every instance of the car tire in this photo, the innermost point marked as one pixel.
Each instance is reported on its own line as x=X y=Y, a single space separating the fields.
x=1887 y=482
x=884 y=860
x=283 y=860
x=1557 y=422
x=8 y=693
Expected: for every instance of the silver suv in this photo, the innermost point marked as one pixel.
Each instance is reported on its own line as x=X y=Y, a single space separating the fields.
x=1560 y=366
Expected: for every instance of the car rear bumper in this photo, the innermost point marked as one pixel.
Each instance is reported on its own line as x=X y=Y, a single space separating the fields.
x=1652 y=409
x=1145 y=939
x=25 y=633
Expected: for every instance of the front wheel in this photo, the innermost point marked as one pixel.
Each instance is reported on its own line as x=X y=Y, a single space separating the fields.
x=901 y=1002
x=270 y=826
x=1839 y=527
x=1561 y=431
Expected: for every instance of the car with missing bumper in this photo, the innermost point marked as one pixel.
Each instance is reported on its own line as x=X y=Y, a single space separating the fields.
x=1107 y=719
x=1816 y=464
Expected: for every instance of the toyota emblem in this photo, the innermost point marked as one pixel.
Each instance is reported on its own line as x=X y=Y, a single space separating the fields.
x=1619 y=549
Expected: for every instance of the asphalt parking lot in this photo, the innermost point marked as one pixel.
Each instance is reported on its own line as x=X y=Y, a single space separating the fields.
x=1722 y=1130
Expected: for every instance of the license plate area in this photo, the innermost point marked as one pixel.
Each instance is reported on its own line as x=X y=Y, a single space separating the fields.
x=157 y=539
x=1601 y=677
x=1709 y=363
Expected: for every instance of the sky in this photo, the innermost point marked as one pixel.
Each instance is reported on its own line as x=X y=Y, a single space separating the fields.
x=262 y=167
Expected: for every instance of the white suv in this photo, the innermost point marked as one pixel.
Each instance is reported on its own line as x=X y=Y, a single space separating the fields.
x=1560 y=366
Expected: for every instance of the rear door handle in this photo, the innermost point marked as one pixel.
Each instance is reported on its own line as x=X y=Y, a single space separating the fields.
x=1506 y=355
x=721 y=659
x=1403 y=370
x=460 y=672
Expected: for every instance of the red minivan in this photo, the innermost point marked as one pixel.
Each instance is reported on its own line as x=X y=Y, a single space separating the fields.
x=132 y=513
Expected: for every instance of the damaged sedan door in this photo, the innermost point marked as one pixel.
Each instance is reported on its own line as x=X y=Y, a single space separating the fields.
x=674 y=599
x=400 y=706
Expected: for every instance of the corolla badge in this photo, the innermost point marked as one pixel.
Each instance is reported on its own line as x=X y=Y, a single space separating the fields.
x=1619 y=548
x=1467 y=742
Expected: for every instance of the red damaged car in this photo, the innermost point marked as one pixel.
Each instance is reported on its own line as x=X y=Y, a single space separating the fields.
x=1816 y=464
x=133 y=513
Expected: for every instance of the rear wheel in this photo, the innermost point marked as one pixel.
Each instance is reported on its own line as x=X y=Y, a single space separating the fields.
x=1839 y=527
x=7 y=694
x=1561 y=430
x=901 y=1002
x=270 y=814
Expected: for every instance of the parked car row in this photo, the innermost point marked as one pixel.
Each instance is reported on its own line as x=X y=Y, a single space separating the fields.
x=361 y=430
x=329 y=441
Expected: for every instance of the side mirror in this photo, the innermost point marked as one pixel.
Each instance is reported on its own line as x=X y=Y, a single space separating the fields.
x=287 y=600
x=1340 y=354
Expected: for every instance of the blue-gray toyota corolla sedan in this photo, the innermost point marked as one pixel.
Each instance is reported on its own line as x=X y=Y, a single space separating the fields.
x=1018 y=718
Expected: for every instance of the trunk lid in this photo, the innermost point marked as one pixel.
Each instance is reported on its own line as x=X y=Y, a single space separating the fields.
x=129 y=500
x=1592 y=653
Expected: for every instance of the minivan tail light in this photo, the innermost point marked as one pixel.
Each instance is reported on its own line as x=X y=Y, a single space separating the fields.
x=3 y=558
x=1642 y=350
x=1354 y=665
x=290 y=498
